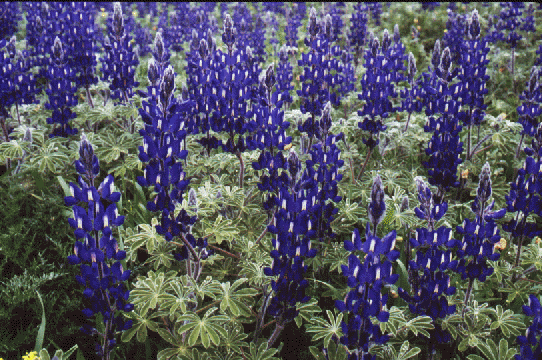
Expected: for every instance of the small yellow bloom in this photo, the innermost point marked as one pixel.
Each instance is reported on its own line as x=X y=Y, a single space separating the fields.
x=501 y=245
x=394 y=294
x=415 y=21
x=465 y=174
x=287 y=147
x=32 y=356
x=419 y=28
x=399 y=238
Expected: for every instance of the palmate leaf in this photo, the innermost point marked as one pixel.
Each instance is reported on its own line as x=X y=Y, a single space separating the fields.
x=207 y=329
x=306 y=311
x=261 y=352
x=519 y=289
x=508 y=322
x=334 y=352
x=493 y=352
x=140 y=324
x=395 y=322
x=130 y=163
x=12 y=149
x=50 y=156
x=221 y=229
x=111 y=145
x=236 y=300
x=147 y=292
x=420 y=325
x=324 y=329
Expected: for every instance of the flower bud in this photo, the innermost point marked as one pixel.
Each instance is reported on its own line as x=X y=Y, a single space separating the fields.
x=474 y=25
x=118 y=21
x=152 y=74
x=159 y=45
x=404 y=204
x=270 y=78
x=313 y=25
x=446 y=61
x=167 y=86
x=57 y=50
x=193 y=200
x=203 y=49
x=11 y=46
x=294 y=165
x=39 y=25
x=411 y=67
x=328 y=26
x=533 y=80
x=386 y=41
x=377 y=206
x=375 y=44
x=396 y=34
x=435 y=55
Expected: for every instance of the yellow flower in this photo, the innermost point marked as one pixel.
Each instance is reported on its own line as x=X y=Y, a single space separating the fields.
x=399 y=238
x=465 y=174
x=287 y=147
x=501 y=245
x=32 y=356
x=394 y=294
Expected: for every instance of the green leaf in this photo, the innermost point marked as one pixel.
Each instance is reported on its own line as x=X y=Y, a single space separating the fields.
x=68 y=353
x=41 y=331
x=324 y=329
x=420 y=325
x=80 y=355
x=508 y=322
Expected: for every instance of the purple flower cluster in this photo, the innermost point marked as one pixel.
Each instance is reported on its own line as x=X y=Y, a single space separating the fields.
x=367 y=278
x=103 y=284
x=61 y=93
x=120 y=62
x=433 y=257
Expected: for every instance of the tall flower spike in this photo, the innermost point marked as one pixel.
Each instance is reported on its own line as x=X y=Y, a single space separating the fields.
x=103 y=282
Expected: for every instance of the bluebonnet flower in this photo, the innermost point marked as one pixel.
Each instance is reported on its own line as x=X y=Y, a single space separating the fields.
x=10 y=18
x=271 y=138
x=19 y=83
x=293 y=22
x=367 y=278
x=473 y=76
x=81 y=39
x=444 y=148
x=376 y=10
x=103 y=284
x=284 y=75
x=347 y=79
x=433 y=257
x=359 y=30
x=533 y=333
x=163 y=137
x=305 y=210
x=61 y=94
x=119 y=63
x=530 y=109
x=456 y=29
x=291 y=246
x=376 y=89
x=319 y=81
x=525 y=195
x=430 y=5
x=479 y=236
x=411 y=102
